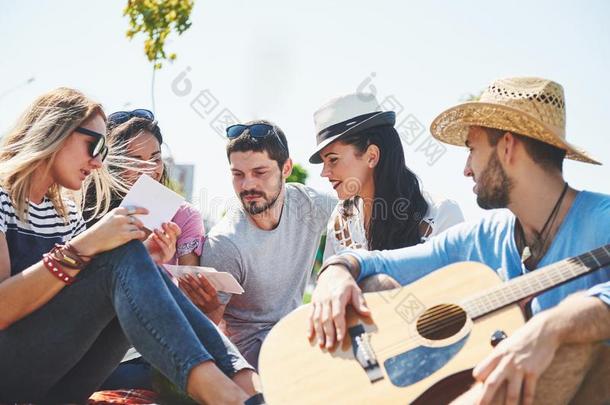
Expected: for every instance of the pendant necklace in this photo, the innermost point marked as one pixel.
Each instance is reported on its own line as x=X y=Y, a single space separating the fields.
x=527 y=252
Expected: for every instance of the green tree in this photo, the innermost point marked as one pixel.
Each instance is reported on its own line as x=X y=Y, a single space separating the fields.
x=472 y=96
x=156 y=19
x=299 y=174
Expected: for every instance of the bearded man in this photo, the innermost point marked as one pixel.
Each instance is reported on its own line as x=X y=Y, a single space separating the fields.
x=516 y=139
x=267 y=241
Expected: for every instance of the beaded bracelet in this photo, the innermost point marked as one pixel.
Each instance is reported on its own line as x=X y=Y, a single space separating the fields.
x=55 y=269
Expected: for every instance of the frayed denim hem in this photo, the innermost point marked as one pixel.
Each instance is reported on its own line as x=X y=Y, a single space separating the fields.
x=183 y=374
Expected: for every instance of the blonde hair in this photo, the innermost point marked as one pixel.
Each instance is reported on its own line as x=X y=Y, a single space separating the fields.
x=35 y=141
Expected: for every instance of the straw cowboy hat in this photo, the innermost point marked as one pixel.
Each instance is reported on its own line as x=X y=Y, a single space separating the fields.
x=346 y=115
x=528 y=106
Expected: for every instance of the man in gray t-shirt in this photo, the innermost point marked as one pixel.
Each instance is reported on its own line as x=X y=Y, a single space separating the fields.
x=267 y=240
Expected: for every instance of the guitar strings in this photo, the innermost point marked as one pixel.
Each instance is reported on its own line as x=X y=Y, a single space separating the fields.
x=440 y=308
x=438 y=314
x=441 y=325
x=455 y=315
x=450 y=314
x=545 y=277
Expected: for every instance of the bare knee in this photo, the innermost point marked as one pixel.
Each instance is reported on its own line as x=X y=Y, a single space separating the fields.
x=558 y=384
x=378 y=282
x=562 y=379
x=571 y=360
x=595 y=388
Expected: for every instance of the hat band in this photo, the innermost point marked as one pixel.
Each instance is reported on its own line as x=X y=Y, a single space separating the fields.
x=341 y=127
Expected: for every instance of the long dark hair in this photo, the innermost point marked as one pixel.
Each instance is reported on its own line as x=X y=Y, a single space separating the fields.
x=118 y=139
x=399 y=205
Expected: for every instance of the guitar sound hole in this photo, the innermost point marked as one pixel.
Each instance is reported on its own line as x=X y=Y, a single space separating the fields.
x=441 y=321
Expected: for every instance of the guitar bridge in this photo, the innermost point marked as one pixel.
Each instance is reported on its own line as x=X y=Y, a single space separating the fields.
x=363 y=352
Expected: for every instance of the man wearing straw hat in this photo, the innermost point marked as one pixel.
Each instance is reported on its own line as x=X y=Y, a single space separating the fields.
x=516 y=137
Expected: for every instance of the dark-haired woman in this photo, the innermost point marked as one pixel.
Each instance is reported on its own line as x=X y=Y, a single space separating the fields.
x=382 y=205
x=134 y=141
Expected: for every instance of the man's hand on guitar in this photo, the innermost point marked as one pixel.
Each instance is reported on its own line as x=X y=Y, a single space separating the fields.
x=336 y=289
x=518 y=362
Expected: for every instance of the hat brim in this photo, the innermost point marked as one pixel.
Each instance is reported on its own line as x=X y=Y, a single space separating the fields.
x=382 y=118
x=451 y=126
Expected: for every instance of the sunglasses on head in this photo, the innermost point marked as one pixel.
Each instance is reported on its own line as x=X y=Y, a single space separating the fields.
x=97 y=148
x=255 y=131
x=119 y=117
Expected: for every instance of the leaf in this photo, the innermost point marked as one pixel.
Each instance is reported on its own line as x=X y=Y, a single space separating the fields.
x=298 y=175
x=157 y=19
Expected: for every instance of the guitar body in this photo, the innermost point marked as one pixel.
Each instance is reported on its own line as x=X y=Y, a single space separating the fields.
x=421 y=339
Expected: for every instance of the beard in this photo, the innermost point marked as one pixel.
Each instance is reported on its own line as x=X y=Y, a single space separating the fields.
x=493 y=185
x=255 y=208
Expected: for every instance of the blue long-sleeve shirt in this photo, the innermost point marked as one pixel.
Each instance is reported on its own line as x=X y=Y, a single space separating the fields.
x=491 y=241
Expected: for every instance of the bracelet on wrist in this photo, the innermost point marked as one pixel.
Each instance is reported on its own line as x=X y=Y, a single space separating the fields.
x=341 y=261
x=74 y=251
x=56 y=270
x=69 y=257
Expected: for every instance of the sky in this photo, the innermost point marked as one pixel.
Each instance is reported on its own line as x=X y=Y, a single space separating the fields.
x=282 y=60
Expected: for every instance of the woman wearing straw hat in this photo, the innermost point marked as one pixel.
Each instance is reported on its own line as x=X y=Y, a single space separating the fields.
x=517 y=142
x=382 y=206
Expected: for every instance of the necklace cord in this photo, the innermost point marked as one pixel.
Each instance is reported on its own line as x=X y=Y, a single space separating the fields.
x=527 y=254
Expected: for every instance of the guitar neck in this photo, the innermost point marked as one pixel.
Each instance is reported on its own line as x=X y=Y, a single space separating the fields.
x=536 y=282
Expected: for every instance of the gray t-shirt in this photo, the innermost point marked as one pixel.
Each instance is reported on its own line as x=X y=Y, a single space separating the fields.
x=273 y=267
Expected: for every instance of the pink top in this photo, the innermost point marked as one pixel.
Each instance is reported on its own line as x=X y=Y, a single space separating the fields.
x=189 y=219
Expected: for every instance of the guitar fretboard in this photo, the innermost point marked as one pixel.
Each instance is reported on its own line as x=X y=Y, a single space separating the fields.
x=535 y=282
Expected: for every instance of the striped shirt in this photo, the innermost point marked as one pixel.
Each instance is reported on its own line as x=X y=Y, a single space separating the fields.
x=28 y=241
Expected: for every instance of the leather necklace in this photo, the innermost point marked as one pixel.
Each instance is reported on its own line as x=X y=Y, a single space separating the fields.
x=538 y=247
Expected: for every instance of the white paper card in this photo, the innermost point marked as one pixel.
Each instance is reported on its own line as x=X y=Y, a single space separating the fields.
x=221 y=280
x=161 y=202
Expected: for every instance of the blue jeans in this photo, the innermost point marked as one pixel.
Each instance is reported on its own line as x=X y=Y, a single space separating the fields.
x=132 y=374
x=64 y=351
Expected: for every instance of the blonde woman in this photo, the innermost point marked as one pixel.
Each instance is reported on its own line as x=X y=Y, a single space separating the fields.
x=72 y=299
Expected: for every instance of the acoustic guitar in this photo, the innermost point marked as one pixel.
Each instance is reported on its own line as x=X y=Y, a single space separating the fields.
x=419 y=346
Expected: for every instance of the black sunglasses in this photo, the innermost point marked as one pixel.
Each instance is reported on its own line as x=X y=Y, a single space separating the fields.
x=254 y=130
x=98 y=148
x=119 y=117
